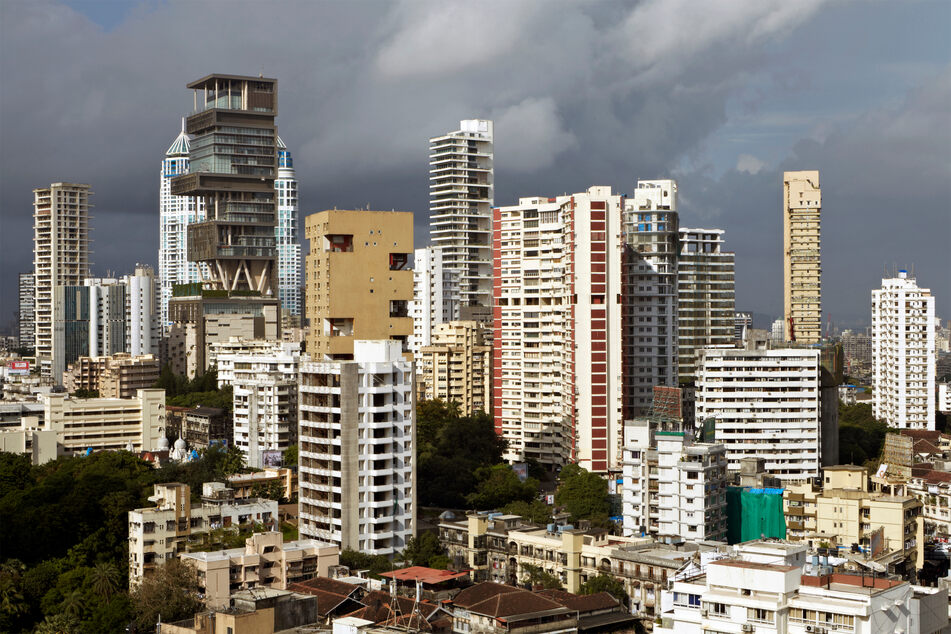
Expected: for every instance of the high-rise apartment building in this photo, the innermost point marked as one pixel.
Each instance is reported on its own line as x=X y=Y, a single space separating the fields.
x=175 y=214
x=769 y=404
x=673 y=487
x=706 y=293
x=435 y=295
x=802 y=265
x=650 y=232
x=461 y=195
x=356 y=467
x=457 y=366
x=359 y=282
x=288 y=247
x=60 y=255
x=141 y=314
x=25 y=315
x=903 y=354
x=233 y=163
x=556 y=357
x=742 y=323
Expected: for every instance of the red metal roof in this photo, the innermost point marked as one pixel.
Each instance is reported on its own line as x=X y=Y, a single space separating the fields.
x=424 y=574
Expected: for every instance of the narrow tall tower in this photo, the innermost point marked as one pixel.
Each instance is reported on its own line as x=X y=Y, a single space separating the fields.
x=288 y=248
x=25 y=329
x=60 y=255
x=461 y=195
x=175 y=214
x=802 y=266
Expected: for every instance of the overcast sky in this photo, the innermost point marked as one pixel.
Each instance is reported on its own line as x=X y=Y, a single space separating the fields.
x=722 y=96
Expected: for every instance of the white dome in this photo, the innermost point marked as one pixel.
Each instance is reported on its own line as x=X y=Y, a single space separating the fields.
x=180 y=445
x=162 y=443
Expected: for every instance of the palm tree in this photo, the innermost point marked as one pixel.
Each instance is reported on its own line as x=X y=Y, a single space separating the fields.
x=104 y=579
x=73 y=605
x=57 y=624
x=11 y=599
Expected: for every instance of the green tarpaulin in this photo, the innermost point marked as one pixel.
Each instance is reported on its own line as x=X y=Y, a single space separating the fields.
x=754 y=513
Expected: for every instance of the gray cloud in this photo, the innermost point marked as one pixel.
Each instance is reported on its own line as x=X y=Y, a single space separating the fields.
x=582 y=94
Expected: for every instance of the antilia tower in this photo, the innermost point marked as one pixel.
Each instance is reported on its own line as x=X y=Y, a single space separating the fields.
x=233 y=165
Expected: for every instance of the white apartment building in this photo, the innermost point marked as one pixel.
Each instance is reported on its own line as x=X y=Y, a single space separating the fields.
x=706 y=293
x=903 y=354
x=461 y=195
x=175 y=214
x=672 y=487
x=650 y=233
x=165 y=531
x=435 y=296
x=557 y=359
x=738 y=595
x=265 y=398
x=285 y=233
x=60 y=256
x=141 y=313
x=25 y=316
x=356 y=466
x=767 y=404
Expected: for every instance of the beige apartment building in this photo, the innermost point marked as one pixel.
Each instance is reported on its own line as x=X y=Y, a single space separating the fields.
x=844 y=512
x=243 y=483
x=166 y=530
x=359 y=279
x=116 y=376
x=457 y=367
x=802 y=263
x=266 y=561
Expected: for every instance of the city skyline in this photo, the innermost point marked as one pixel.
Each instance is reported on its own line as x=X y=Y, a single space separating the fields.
x=724 y=111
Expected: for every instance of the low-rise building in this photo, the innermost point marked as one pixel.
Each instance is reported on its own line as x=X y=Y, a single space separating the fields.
x=457 y=366
x=498 y=547
x=265 y=561
x=930 y=487
x=201 y=426
x=243 y=484
x=165 y=531
x=494 y=608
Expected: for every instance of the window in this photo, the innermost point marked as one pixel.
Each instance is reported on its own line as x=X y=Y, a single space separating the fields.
x=759 y=615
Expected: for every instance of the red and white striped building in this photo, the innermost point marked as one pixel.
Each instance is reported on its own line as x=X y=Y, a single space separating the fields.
x=557 y=306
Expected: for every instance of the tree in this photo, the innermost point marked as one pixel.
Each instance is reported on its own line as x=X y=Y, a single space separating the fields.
x=269 y=490
x=861 y=435
x=57 y=624
x=606 y=583
x=104 y=578
x=499 y=485
x=73 y=605
x=535 y=576
x=375 y=564
x=423 y=550
x=171 y=592
x=535 y=511
x=290 y=456
x=583 y=494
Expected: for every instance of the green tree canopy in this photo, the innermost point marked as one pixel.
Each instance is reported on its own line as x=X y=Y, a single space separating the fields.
x=425 y=550
x=535 y=511
x=536 y=576
x=170 y=592
x=290 y=456
x=583 y=494
x=356 y=560
x=861 y=435
x=606 y=583
x=497 y=486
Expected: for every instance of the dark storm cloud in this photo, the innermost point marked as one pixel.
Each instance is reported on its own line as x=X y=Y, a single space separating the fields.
x=581 y=94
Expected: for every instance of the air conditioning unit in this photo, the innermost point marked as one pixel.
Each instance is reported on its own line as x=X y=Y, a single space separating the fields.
x=703 y=612
x=747 y=627
x=810 y=628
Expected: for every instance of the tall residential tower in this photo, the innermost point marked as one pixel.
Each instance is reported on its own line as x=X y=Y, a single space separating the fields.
x=288 y=248
x=60 y=255
x=461 y=194
x=802 y=265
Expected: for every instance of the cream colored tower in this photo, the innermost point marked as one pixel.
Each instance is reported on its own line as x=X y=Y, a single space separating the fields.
x=359 y=279
x=802 y=265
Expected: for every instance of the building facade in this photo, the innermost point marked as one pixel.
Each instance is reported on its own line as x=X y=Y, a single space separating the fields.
x=556 y=359
x=60 y=256
x=25 y=314
x=461 y=197
x=285 y=234
x=768 y=404
x=117 y=376
x=457 y=367
x=673 y=487
x=903 y=354
x=359 y=282
x=357 y=448
x=435 y=295
x=706 y=293
x=175 y=214
x=802 y=262
x=650 y=333
x=165 y=531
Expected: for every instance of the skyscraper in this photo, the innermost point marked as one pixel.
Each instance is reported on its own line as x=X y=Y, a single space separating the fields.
x=25 y=330
x=556 y=360
x=359 y=284
x=461 y=195
x=233 y=163
x=802 y=265
x=60 y=255
x=288 y=248
x=903 y=354
x=435 y=295
x=175 y=214
x=706 y=294
x=650 y=232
